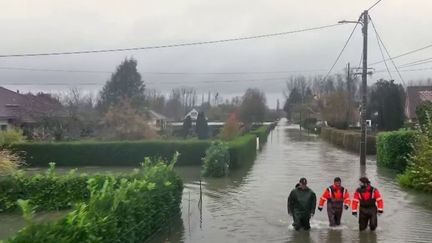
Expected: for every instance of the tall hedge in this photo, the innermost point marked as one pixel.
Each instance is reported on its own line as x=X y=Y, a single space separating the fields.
x=347 y=139
x=394 y=147
x=116 y=153
x=242 y=150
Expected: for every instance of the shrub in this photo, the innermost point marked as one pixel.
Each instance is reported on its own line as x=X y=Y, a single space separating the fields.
x=424 y=113
x=201 y=127
x=123 y=121
x=217 y=160
x=231 y=128
x=418 y=174
x=11 y=136
x=393 y=148
x=118 y=210
x=9 y=162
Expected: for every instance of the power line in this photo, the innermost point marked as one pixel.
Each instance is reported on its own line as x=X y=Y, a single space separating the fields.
x=416 y=63
x=160 y=72
x=385 y=48
x=341 y=52
x=382 y=53
x=169 y=45
x=374 y=5
x=404 y=54
x=406 y=70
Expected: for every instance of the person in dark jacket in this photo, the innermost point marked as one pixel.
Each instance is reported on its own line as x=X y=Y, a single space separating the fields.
x=301 y=205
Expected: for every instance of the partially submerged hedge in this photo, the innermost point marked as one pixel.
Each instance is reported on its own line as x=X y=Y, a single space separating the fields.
x=130 y=153
x=116 y=153
x=394 y=147
x=118 y=209
x=349 y=140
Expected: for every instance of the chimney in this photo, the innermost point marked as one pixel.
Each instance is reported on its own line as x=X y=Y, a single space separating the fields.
x=18 y=91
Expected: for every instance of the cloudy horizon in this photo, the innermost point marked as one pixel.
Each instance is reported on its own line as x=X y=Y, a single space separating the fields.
x=48 y=25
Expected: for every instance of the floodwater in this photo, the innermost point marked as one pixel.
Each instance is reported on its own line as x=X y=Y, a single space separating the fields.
x=250 y=204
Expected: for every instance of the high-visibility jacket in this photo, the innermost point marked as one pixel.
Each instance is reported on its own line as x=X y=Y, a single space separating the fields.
x=334 y=193
x=367 y=198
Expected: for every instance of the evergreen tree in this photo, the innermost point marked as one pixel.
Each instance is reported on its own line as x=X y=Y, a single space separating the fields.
x=386 y=105
x=202 y=126
x=124 y=84
x=187 y=126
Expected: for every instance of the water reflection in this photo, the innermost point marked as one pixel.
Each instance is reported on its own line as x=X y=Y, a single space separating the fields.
x=250 y=204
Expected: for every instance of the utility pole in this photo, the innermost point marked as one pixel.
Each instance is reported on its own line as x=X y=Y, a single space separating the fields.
x=364 y=89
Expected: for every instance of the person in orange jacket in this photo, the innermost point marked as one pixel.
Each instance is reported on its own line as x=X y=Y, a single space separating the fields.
x=337 y=198
x=370 y=202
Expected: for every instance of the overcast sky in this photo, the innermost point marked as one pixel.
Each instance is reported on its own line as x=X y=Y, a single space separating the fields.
x=60 y=25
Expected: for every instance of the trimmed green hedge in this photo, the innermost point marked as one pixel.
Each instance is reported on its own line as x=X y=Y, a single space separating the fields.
x=393 y=148
x=116 y=153
x=242 y=150
x=262 y=132
x=130 y=153
x=349 y=140
x=118 y=209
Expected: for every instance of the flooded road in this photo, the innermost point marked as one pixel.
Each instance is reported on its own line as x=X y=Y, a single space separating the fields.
x=250 y=204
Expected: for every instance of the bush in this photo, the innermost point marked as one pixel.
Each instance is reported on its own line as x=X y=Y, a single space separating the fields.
x=231 y=128
x=418 y=174
x=118 y=210
x=424 y=113
x=46 y=191
x=217 y=160
x=11 y=136
x=349 y=140
x=9 y=162
x=393 y=148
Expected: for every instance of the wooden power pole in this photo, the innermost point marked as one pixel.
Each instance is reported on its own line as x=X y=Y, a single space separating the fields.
x=364 y=90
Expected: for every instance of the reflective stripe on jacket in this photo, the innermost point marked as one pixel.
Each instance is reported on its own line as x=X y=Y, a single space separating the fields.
x=367 y=196
x=335 y=194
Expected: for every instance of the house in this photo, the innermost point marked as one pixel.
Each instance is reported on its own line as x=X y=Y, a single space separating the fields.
x=415 y=95
x=26 y=110
x=157 y=120
x=193 y=114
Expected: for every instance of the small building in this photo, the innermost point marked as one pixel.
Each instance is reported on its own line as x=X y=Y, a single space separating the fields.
x=415 y=95
x=157 y=120
x=193 y=114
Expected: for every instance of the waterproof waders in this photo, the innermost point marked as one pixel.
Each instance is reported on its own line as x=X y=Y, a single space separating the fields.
x=301 y=205
x=370 y=203
x=337 y=198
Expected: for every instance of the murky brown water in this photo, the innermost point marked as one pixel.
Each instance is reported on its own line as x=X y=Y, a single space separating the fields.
x=250 y=204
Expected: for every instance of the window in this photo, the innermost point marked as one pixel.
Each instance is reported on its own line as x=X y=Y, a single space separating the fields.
x=3 y=127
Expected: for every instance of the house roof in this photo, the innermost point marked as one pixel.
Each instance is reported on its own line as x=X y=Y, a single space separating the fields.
x=156 y=116
x=415 y=95
x=193 y=114
x=26 y=107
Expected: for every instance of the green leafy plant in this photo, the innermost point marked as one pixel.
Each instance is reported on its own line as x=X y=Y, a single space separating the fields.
x=119 y=209
x=216 y=161
x=10 y=136
x=418 y=174
x=393 y=148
